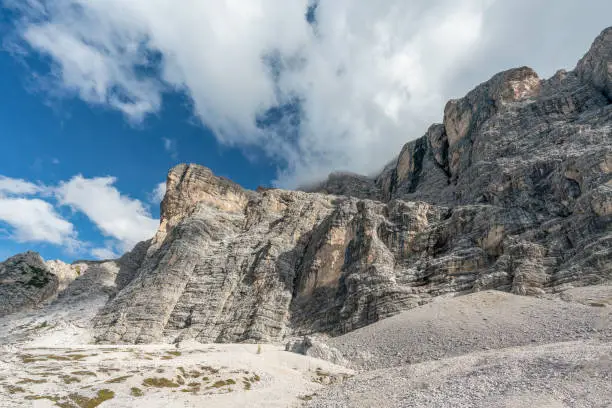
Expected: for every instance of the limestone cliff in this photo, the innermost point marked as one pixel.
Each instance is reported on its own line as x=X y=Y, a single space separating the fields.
x=513 y=191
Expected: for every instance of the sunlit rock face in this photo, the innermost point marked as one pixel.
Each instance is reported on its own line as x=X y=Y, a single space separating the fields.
x=513 y=191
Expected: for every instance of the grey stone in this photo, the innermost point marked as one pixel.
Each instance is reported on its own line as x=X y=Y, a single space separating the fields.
x=25 y=283
x=513 y=192
x=314 y=347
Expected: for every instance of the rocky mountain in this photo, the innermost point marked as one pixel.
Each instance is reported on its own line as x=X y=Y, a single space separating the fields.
x=513 y=192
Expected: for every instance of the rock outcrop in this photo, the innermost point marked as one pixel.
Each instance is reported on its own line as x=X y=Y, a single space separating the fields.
x=25 y=282
x=513 y=191
x=28 y=282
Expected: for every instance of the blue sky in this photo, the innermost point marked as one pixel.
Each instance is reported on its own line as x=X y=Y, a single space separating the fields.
x=100 y=98
x=48 y=140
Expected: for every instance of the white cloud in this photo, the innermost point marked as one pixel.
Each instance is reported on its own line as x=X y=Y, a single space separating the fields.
x=370 y=76
x=105 y=253
x=159 y=192
x=9 y=186
x=117 y=216
x=35 y=220
x=170 y=146
x=28 y=210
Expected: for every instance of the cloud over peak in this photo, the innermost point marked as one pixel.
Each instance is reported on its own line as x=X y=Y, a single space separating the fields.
x=359 y=72
x=318 y=85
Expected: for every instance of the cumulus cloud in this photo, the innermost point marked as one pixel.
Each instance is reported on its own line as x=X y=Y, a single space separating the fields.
x=9 y=186
x=117 y=216
x=31 y=213
x=105 y=252
x=35 y=220
x=340 y=90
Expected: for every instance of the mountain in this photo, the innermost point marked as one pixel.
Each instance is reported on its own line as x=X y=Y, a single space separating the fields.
x=512 y=191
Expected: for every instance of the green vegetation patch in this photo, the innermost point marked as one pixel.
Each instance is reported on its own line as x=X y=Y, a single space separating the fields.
x=90 y=373
x=118 y=379
x=41 y=326
x=222 y=383
x=53 y=398
x=159 y=382
x=108 y=370
x=13 y=389
x=31 y=358
x=210 y=369
x=40 y=277
x=31 y=381
x=70 y=379
x=136 y=392
x=85 y=402
x=174 y=353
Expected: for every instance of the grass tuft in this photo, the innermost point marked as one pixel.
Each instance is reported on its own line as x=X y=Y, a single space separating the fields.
x=85 y=402
x=41 y=397
x=31 y=381
x=159 y=382
x=69 y=379
x=13 y=389
x=118 y=379
x=90 y=373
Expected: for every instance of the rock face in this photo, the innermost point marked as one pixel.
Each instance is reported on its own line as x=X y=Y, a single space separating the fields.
x=25 y=282
x=28 y=282
x=513 y=191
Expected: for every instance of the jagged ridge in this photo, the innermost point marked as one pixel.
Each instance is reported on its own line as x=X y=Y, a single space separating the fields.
x=512 y=192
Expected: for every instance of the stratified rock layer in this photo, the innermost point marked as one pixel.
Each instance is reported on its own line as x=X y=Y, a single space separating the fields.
x=511 y=192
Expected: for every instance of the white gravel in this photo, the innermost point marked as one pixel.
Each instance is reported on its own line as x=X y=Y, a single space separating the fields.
x=471 y=323
x=574 y=374
x=487 y=349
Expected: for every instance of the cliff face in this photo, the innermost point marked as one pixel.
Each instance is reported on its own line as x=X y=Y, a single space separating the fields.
x=513 y=191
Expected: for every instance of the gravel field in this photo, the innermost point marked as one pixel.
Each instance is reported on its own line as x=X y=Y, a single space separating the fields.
x=476 y=322
x=574 y=374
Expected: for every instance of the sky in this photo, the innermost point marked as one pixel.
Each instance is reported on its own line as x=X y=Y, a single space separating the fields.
x=100 y=98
